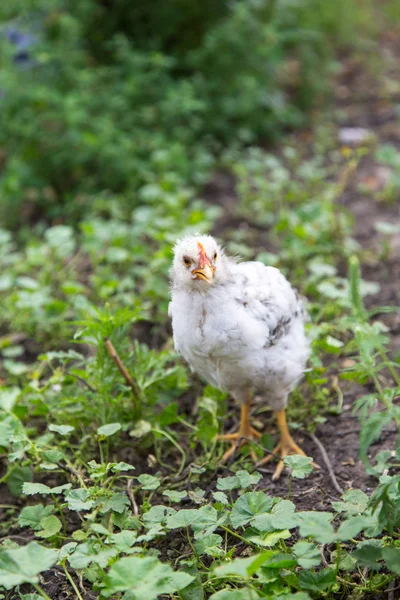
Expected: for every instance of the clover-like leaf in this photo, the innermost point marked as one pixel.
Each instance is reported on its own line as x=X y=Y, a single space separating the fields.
x=221 y=497
x=265 y=539
x=318 y=525
x=146 y=576
x=182 y=518
x=149 y=482
x=391 y=556
x=87 y=553
x=174 y=495
x=23 y=564
x=50 y=526
x=248 y=506
x=299 y=465
x=118 y=502
x=317 y=582
x=30 y=516
x=368 y=554
x=354 y=502
x=245 y=567
x=79 y=499
x=282 y=516
x=241 y=480
x=121 y=466
x=123 y=540
x=307 y=554
x=210 y=544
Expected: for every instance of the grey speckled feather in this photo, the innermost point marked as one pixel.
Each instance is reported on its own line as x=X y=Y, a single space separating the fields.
x=244 y=330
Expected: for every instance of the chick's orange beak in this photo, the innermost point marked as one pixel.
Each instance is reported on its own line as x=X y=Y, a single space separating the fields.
x=205 y=270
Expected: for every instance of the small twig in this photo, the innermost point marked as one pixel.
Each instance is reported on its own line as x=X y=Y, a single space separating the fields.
x=131 y=497
x=114 y=355
x=324 y=561
x=390 y=590
x=326 y=461
x=92 y=389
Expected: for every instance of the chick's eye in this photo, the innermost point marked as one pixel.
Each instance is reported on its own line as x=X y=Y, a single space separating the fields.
x=215 y=255
x=186 y=261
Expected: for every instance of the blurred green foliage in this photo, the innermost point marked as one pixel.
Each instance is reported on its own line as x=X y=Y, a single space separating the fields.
x=112 y=96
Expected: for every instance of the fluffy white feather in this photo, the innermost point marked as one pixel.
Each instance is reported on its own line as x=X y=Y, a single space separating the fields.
x=244 y=329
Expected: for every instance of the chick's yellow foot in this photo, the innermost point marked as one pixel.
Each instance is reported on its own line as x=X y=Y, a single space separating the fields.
x=285 y=447
x=239 y=438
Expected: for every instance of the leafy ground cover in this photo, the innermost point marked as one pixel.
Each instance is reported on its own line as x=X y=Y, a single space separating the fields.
x=114 y=490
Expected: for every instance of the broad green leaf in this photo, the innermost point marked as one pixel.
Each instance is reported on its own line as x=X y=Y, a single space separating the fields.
x=210 y=545
x=281 y=517
x=122 y=466
x=247 y=479
x=86 y=553
x=193 y=591
x=31 y=516
x=30 y=597
x=78 y=500
x=174 y=495
x=99 y=528
x=280 y=561
x=227 y=483
x=241 y=480
x=147 y=577
x=266 y=539
x=221 y=497
x=352 y=527
x=109 y=429
x=50 y=526
x=299 y=465
x=207 y=521
x=391 y=556
x=149 y=482
x=23 y=564
x=245 y=567
x=307 y=554
x=368 y=554
x=8 y=397
x=117 y=503
x=17 y=479
x=354 y=502
x=61 y=429
x=182 y=518
x=317 y=582
x=44 y=490
x=35 y=488
x=230 y=594
x=123 y=540
x=318 y=525
x=66 y=550
x=371 y=430
x=142 y=428
x=158 y=515
x=53 y=455
x=248 y=506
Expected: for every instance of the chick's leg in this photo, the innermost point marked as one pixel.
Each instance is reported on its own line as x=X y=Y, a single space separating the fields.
x=245 y=430
x=285 y=447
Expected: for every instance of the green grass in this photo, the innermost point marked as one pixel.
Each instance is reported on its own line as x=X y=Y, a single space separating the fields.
x=71 y=426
